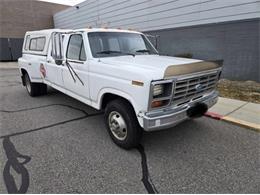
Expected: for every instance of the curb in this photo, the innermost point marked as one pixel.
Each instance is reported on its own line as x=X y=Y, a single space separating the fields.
x=235 y=121
x=242 y=123
x=214 y=115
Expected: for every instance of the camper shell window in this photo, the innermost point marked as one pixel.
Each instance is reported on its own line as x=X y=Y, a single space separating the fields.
x=37 y=44
x=27 y=41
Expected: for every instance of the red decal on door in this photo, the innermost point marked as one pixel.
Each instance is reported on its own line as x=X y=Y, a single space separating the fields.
x=42 y=70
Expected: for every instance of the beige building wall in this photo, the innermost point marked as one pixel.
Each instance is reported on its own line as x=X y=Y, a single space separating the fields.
x=19 y=16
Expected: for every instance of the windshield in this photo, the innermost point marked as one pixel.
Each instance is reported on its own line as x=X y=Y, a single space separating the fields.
x=107 y=44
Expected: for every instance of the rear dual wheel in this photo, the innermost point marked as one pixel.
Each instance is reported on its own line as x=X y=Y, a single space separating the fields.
x=34 y=89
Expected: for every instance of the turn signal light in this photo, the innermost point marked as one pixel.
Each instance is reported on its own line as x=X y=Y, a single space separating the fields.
x=156 y=104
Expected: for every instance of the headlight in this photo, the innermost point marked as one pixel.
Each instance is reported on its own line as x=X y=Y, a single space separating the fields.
x=158 y=90
x=161 y=93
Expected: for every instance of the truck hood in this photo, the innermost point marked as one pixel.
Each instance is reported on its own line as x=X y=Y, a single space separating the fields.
x=159 y=67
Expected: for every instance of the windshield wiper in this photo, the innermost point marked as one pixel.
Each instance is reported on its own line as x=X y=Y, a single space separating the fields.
x=107 y=52
x=146 y=50
x=72 y=70
x=143 y=50
x=111 y=51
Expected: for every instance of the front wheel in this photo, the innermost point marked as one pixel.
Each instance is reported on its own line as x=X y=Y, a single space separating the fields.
x=122 y=124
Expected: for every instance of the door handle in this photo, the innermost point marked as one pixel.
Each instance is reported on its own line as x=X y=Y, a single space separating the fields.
x=29 y=64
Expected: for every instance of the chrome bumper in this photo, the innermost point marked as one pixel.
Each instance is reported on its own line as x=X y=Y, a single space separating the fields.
x=168 y=118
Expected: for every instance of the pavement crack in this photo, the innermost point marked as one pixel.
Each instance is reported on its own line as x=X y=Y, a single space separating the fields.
x=48 y=126
x=13 y=157
x=86 y=115
x=237 y=109
x=43 y=127
x=146 y=179
x=45 y=106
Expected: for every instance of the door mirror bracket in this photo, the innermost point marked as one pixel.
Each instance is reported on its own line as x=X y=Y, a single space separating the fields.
x=57 y=48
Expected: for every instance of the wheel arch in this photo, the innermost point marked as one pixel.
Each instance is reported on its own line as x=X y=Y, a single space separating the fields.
x=108 y=95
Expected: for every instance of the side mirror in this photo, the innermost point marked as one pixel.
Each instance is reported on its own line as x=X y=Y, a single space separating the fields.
x=57 y=48
x=59 y=62
x=155 y=39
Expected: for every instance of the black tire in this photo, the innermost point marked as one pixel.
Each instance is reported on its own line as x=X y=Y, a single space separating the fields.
x=34 y=89
x=133 y=129
x=43 y=88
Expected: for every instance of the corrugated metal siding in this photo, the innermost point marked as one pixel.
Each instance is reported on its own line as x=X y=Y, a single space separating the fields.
x=237 y=43
x=10 y=49
x=258 y=56
x=146 y=15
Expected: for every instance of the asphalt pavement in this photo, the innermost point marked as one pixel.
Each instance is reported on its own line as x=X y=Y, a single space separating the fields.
x=56 y=144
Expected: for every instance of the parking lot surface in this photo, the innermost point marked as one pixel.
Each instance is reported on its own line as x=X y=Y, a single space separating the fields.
x=55 y=144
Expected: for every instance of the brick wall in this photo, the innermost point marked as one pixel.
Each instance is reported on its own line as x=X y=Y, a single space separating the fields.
x=19 y=16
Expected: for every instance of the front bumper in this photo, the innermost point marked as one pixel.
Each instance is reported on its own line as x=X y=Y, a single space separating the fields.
x=168 y=118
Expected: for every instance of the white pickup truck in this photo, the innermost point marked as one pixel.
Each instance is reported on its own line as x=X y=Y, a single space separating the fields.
x=120 y=72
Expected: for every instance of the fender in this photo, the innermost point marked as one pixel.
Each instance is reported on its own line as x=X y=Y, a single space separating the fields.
x=120 y=93
x=33 y=79
x=114 y=91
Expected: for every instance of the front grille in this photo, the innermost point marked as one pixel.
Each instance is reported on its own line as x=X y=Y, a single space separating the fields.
x=188 y=89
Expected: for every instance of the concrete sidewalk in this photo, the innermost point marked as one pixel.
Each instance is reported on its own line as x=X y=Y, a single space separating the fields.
x=238 y=112
x=8 y=65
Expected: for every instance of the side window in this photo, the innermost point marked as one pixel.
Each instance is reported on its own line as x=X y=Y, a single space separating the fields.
x=40 y=44
x=76 y=50
x=37 y=44
x=27 y=41
x=33 y=43
x=82 y=56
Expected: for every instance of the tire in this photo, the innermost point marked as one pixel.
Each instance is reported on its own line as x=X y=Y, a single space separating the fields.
x=122 y=124
x=34 y=89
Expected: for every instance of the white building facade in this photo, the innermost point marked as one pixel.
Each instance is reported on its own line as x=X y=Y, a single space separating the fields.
x=207 y=29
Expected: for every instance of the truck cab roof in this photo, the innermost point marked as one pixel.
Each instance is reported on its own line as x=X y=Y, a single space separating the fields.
x=41 y=38
x=49 y=31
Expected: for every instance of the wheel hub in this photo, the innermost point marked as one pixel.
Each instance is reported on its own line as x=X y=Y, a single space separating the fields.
x=117 y=125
